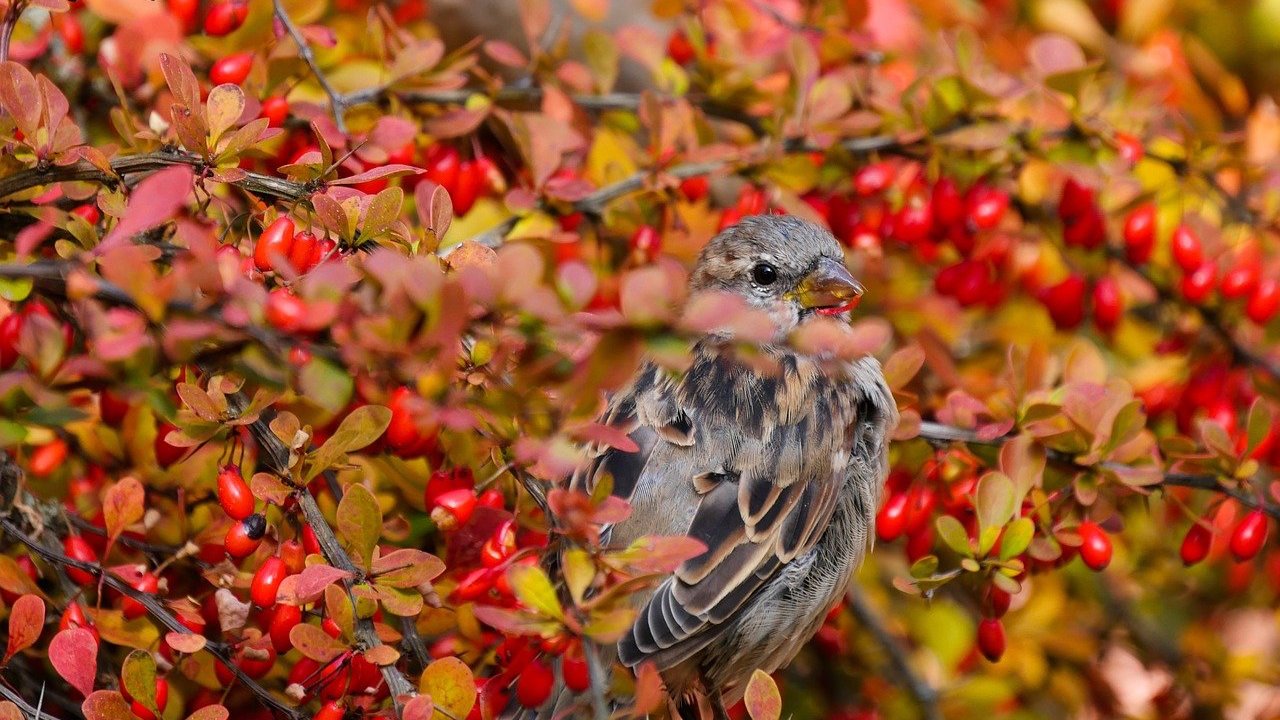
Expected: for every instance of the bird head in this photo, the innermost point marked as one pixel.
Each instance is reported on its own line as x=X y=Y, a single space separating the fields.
x=790 y=268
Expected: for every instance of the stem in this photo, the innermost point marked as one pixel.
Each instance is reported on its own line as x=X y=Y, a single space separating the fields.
x=925 y=695
x=11 y=15
x=337 y=101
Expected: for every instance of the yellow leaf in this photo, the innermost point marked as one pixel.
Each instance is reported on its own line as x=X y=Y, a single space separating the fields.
x=533 y=589
x=450 y=684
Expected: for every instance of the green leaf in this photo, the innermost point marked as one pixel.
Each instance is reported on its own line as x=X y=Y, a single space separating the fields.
x=383 y=210
x=533 y=589
x=953 y=534
x=16 y=289
x=995 y=501
x=1017 y=536
x=326 y=385
x=579 y=572
x=138 y=675
x=1258 y=424
x=359 y=521
x=364 y=425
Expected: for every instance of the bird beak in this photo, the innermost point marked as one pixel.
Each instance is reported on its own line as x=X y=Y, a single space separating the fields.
x=829 y=288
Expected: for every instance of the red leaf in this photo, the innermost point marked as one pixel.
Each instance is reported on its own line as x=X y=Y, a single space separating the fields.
x=123 y=505
x=606 y=435
x=26 y=620
x=155 y=200
x=313 y=581
x=762 y=699
x=74 y=654
x=383 y=171
x=106 y=705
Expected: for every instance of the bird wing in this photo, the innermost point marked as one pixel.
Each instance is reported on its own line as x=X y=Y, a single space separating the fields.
x=762 y=455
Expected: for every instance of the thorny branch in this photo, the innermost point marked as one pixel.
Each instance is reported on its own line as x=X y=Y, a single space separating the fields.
x=48 y=547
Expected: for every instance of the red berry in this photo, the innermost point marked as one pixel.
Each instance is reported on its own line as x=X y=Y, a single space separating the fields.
x=274 y=244
x=1108 y=306
x=1187 y=251
x=873 y=178
x=77 y=548
x=576 y=675
x=467 y=188
x=302 y=253
x=679 y=48
x=185 y=12
x=1239 y=281
x=89 y=212
x=286 y=311
x=442 y=481
x=442 y=164
x=233 y=493
x=913 y=222
x=985 y=207
x=1076 y=200
x=1095 y=546
x=534 y=686
x=47 y=458
x=10 y=331
x=891 y=520
x=332 y=710
x=71 y=31
x=454 y=508
x=1197 y=285
x=920 y=504
x=276 y=110
x=1195 y=546
x=1065 y=302
x=1129 y=148
x=161 y=697
x=998 y=600
x=646 y=242
x=266 y=582
x=1140 y=233
x=225 y=18
x=166 y=454
x=1088 y=230
x=492 y=498
x=991 y=641
x=1249 y=535
x=232 y=69
x=1264 y=301
x=244 y=537
x=283 y=619
x=133 y=609
x=696 y=188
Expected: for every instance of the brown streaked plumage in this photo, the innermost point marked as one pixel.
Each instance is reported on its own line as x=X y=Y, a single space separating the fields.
x=779 y=474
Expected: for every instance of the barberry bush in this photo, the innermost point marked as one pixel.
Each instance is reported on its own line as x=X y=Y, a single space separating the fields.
x=306 y=316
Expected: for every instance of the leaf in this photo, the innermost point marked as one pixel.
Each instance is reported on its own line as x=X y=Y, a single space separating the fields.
x=392 y=170
x=138 y=676
x=199 y=402
x=419 y=707
x=74 y=654
x=903 y=365
x=155 y=200
x=994 y=501
x=314 y=579
x=434 y=206
x=953 y=534
x=450 y=684
x=660 y=553
x=383 y=210
x=106 y=705
x=14 y=580
x=315 y=643
x=122 y=505
x=579 y=572
x=609 y=626
x=223 y=109
x=514 y=622
x=1017 y=536
x=188 y=643
x=210 y=712
x=326 y=384
x=382 y=655
x=9 y=711
x=534 y=590
x=359 y=521
x=406 y=568
x=364 y=425
x=26 y=621
x=269 y=487
x=762 y=699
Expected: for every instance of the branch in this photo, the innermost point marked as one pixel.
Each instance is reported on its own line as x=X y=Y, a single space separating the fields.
x=27 y=710
x=123 y=165
x=48 y=548
x=337 y=101
x=939 y=433
x=925 y=695
x=11 y=15
x=275 y=456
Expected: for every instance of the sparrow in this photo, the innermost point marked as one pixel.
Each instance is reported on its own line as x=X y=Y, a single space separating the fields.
x=777 y=470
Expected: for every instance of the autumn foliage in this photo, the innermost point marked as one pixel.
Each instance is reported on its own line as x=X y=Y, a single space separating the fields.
x=306 y=316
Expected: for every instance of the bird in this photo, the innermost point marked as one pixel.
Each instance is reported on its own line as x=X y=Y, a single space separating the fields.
x=777 y=468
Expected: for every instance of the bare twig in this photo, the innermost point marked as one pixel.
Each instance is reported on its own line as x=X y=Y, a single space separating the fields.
x=27 y=710
x=337 y=101
x=925 y=695
x=11 y=15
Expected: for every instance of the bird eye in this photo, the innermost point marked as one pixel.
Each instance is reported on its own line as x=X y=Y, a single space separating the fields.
x=764 y=274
